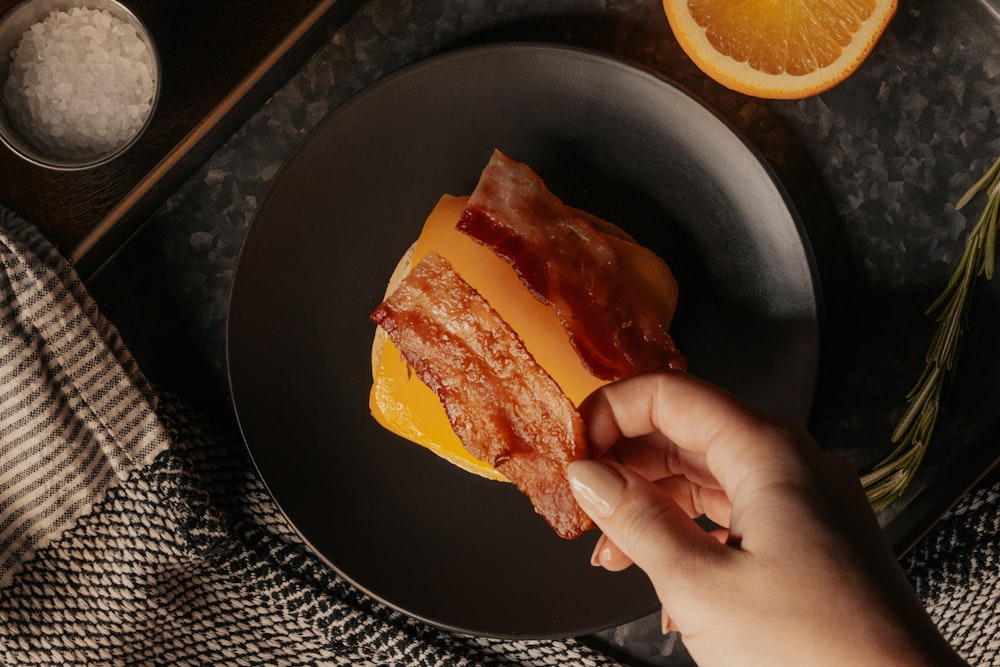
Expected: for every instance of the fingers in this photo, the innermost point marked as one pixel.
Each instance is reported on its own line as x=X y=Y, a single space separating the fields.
x=674 y=423
x=655 y=457
x=641 y=524
x=609 y=556
x=693 y=499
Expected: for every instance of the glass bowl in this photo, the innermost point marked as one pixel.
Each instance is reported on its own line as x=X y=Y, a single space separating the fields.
x=17 y=136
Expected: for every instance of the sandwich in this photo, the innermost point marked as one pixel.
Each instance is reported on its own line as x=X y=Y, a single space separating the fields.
x=508 y=310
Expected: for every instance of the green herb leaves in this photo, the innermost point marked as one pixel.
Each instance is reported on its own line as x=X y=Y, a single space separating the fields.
x=891 y=476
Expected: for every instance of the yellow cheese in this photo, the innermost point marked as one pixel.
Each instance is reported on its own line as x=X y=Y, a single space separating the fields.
x=403 y=404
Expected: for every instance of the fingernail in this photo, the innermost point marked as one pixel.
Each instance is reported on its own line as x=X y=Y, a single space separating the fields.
x=666 y=623
x=601 y=546
x=596 y=486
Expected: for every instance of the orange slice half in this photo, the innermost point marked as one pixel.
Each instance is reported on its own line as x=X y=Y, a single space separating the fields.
x=778 y=49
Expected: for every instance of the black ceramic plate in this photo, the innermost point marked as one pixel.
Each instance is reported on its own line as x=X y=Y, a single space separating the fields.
x=445 y=546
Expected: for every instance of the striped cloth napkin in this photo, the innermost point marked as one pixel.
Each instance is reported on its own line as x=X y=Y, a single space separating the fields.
x=132 y=533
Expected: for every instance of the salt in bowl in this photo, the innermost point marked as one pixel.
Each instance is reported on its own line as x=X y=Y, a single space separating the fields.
x=92 y=94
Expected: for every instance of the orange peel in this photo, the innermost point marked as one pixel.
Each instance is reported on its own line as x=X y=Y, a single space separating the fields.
x=778 y=49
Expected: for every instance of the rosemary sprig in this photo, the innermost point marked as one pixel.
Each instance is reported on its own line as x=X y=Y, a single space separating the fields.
x=889 y=479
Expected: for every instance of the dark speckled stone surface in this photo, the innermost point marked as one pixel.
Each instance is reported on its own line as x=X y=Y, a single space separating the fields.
x=874 y=167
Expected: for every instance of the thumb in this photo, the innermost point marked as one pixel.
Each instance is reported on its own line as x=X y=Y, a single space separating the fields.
x=644 y=523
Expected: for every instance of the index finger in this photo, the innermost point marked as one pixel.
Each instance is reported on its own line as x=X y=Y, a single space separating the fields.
x=708 y=427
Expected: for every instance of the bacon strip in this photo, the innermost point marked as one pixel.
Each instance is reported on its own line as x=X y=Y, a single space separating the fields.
x=505 y=408
x=568 y=264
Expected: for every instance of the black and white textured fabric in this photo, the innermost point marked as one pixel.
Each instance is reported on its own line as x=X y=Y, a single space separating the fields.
x=132 y=533
x=76 y=416
x=956 y=572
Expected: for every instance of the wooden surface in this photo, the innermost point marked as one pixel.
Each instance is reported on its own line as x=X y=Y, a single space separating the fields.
x=220 y=60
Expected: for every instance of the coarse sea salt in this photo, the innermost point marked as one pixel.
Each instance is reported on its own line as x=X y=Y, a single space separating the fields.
x=81 y=83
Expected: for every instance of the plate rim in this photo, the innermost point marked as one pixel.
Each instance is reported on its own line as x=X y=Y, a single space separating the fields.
x=415 y=69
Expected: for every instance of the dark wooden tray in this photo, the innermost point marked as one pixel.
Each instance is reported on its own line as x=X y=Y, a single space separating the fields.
x=221 y=59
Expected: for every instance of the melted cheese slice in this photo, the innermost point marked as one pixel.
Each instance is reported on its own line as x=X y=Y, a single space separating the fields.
x=403 y=404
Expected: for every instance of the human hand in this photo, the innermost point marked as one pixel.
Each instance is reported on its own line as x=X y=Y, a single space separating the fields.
x=799 y=572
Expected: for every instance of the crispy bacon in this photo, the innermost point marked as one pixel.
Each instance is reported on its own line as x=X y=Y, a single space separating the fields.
x=505 y=408
x=568 y=264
